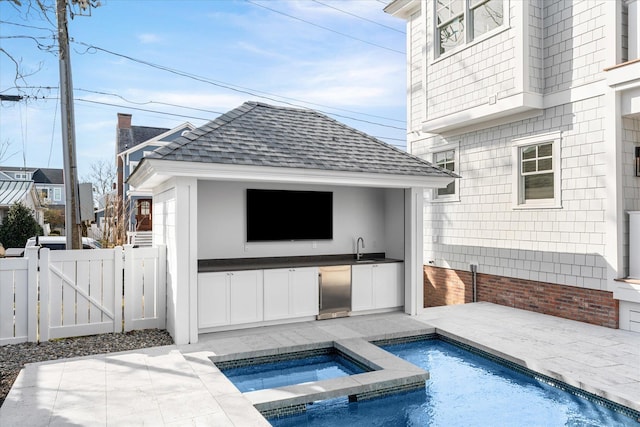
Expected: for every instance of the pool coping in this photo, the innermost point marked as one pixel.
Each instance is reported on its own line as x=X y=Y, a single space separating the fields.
x=389 y=374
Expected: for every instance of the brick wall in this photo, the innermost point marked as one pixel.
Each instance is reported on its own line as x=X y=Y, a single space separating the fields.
x=447 y=287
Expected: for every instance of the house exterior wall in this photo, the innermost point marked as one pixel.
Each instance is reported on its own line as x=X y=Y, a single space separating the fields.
x=488 y=69
x=548 y=245
x=556 y=51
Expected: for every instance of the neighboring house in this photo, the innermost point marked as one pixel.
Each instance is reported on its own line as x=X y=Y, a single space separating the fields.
x=48 y=184
x=221 y=275
x=19 y=191
x=132 y=144
x=536 y=105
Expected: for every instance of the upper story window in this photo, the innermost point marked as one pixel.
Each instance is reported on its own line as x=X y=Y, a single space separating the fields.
x=19 y=175
x=460 y=21
x=57 y=194
x=537 y=180
x=44 y=194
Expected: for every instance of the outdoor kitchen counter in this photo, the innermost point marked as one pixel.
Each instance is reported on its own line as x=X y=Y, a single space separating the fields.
x=237 y=264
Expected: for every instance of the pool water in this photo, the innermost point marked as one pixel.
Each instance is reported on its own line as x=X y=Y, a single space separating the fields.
x=464 y=389
x=289 y=372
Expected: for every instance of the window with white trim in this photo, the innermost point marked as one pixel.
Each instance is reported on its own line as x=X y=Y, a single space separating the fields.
x=480 y=17
x=57 y=194
x=537 y=171
x=446 y=160
x=446 y=156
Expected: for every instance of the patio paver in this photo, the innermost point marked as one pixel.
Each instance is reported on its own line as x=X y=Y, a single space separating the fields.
x=178 y=385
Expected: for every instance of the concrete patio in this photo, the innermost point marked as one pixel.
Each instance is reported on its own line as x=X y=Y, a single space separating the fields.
x=179 y=386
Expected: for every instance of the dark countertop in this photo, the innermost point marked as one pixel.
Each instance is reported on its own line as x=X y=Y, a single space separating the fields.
x=237 y=264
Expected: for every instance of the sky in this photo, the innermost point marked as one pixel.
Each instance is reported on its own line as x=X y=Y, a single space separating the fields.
x=167 y=62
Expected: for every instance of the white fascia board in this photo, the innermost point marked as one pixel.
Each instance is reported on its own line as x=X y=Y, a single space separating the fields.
x=157 y=139
x=486 y=113
x=630 y=102
x=153 y=172
x=138 y=193
x=623 y=77
x=402 y=8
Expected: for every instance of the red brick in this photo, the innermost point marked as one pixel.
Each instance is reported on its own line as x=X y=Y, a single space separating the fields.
x=444 y=286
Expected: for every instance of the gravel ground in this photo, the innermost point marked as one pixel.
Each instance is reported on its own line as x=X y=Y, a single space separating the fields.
x=14 y=357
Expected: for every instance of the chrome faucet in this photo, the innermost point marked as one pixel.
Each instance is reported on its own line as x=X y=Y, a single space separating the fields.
x=358 y=254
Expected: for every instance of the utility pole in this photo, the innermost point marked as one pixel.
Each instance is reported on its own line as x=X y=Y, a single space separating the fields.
x=72 y=207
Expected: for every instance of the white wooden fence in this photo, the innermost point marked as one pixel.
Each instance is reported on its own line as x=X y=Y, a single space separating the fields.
x=56 y=294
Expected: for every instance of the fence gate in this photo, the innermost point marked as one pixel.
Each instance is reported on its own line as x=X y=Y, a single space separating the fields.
x=83 y=290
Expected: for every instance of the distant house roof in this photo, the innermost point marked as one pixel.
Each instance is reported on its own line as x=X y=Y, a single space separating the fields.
x=48 y=176
x=130 y=137
x=257 y=134
x=14 y=191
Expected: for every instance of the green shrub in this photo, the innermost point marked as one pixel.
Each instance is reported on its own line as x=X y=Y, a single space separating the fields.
x=18 y=226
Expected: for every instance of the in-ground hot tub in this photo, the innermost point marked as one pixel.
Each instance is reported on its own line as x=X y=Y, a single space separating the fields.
x=292 y=368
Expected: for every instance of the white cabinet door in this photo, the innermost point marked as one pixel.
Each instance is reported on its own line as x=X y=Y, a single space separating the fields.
x=388 y=286
x=290 y=292
x=303 y=292
x=276 y=294
x=245 y=296
x=213 y=299
x=361 y=287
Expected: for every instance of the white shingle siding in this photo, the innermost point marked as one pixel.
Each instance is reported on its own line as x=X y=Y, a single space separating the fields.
x=574 y=43
x=536 y=56
x=563 y=246
x=468 y=77
x=415 y=29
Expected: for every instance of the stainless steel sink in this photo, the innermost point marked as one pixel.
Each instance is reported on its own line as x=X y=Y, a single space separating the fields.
x=368 y=261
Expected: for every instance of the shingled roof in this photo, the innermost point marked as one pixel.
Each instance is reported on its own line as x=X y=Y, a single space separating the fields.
x=135 y=135
x=257 y=134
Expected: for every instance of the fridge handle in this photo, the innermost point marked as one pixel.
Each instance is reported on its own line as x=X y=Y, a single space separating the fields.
x=320 y=288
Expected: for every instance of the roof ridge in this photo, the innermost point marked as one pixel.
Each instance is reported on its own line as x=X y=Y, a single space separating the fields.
x=212 y=125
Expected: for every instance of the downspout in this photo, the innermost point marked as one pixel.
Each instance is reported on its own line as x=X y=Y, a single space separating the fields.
x=474 y=281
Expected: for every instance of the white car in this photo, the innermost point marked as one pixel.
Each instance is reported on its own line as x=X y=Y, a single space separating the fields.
x=59 y=242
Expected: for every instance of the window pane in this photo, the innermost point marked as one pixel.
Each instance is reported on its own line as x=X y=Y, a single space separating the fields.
x=529 y=166
x=440 y=158
x=449 y=189
x=538 y=186
x=447 y=9
x=487 y=17
x=545 y=165
x=529 y=152
x=452 y=35
x=545 y=150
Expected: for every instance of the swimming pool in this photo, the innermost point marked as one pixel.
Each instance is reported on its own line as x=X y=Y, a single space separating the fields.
x=294 y=371
x=465 y=389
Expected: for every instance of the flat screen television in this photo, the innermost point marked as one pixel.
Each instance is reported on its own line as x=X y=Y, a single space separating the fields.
x=278 y=215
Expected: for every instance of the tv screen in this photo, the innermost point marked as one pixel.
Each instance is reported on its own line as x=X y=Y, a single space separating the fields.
x=274 y=215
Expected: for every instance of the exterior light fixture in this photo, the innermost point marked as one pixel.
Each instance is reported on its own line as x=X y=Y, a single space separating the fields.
x=637 y=161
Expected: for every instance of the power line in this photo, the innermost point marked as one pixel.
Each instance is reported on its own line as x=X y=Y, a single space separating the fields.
x=239 y=89
x=359 y=17
x=192 y=117
x=324 y=28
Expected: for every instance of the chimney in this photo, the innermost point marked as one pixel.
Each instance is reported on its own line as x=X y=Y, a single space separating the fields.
x=124 y=121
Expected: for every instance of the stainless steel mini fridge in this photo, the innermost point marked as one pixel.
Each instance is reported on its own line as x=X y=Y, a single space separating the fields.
x=335 y=291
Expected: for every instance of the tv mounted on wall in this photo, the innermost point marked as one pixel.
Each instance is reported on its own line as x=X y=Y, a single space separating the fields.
x=279 y=215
